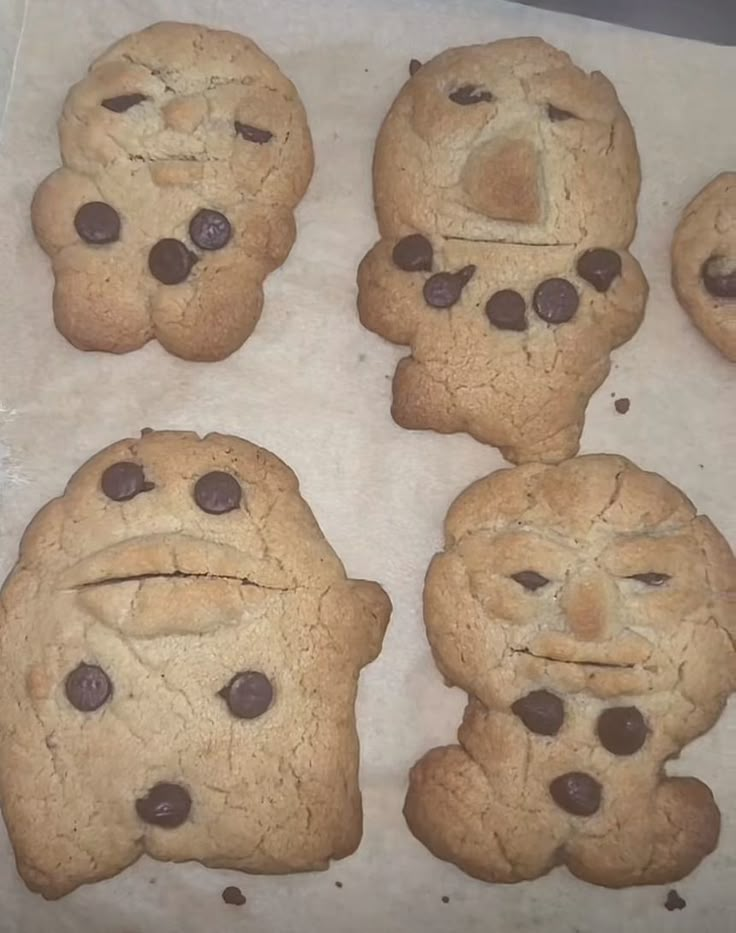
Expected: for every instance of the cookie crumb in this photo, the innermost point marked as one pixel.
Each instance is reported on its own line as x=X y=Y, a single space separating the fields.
x=622 y=405
x=234 y=896
x=338 y=884
x=361 y=357
x=674 y=901
x=445 y=899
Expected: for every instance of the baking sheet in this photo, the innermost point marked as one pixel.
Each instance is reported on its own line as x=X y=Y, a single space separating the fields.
x=314 y=387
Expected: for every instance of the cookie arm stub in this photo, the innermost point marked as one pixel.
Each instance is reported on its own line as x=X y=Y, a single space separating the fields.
x=390 y=300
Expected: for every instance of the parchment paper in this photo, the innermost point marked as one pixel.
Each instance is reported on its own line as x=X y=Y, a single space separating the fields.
x=314 y=387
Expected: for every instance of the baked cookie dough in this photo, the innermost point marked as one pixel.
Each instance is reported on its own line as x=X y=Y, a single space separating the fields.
x=590 y=614
x=181 y=651
x=505 y=184
x=704 y=262
x=185 y=151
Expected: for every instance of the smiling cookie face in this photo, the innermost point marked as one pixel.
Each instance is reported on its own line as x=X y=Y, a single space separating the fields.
x=185 y=151
x=508 y=142
x=190 y=620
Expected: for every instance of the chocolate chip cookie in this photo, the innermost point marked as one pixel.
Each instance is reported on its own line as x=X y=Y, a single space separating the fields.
x=505 y=183
x=704 y=262
x=181 y=653
x=590 y=614
x=185 y=151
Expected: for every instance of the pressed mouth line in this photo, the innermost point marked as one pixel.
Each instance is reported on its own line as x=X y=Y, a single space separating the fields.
x=175 y=574
x=543 y=657
x=497 y=242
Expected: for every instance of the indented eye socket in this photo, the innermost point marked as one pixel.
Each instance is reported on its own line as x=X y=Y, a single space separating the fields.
x=252 y=134
x=557 y=115
x=468 y=94
x=530 y=579
x=123 y=102
x=651 y=578
x=87 y=687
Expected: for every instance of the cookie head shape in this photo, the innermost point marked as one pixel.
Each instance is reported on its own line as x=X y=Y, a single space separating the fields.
x=508 y=142
x=592 y=577
x=182 y=612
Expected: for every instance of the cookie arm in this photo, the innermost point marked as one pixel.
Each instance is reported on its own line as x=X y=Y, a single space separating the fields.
x=622 y=310
x=55 y=204
x=357 y=612
x=390 y=300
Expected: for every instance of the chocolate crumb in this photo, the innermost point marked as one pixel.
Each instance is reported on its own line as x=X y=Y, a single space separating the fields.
x=145 y=431
x=234 y=896
x=622 y=405
x=445 y=899
x=338 y=884
x=674 y=901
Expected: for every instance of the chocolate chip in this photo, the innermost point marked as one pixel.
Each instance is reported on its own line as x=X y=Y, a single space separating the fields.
x=541 y=712
x=470 y=94
x=577 y=793
x=530 y=579
x=651 y=578
x=443 y=289
x=506 y=310
x=556 y=114
x=414 y=66
x=719 y=276
x=165 y=805
x=217 y=492
x=674 y=901
x=123 y=102
x=123 y=481
x=97 y=223
x=599 y=267
x=248 y=695
x=445 y=899
x=556 y=301
x=210 y=229
x=234 y=896
x=87 y=687
x=622 y=405
x=622 y=730
x=252 y=133
x=413 y=253
x=170 y=261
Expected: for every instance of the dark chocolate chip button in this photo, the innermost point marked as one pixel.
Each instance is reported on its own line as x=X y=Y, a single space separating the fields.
x=165 y=805
x=622 y=730
x=210 y=229
x=123 y=481
x=252 y=133
x=87 y=687
x=217 y=492
x=443 y=289
x=540 y=711
x=506 y=310
x=233 y=896
x=123 y=102
x=719 y=276
x=413 y=253
x=469 y=94
x=599 y=267
x=414 y=66
x=673 y=901
x=576 y=792
x=170 y=261
x=556 y=301
x=530 y=579
x=97 y=223
x=248 y=695
x=622 y=405
x=556 y=114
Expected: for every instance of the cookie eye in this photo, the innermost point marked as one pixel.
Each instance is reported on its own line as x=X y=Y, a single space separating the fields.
x=468 y=94
x=651 y=578
x=530 y=579
x=252 y=134
x=557 y=114
x=87 y=687
x=123 y=102
x=248 y=695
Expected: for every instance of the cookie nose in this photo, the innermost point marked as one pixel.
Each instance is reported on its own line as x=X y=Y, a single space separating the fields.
x=165 y=805
x=589 y=604
x=184 y=114
x=500 y=180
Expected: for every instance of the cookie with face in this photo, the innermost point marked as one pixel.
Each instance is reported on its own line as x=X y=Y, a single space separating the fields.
x=185 y=151
x=181 y=650
x=590 y=614
x=704 y=262
x=505 y=183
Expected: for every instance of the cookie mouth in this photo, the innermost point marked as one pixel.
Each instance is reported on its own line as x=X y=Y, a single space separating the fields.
x=576 y=662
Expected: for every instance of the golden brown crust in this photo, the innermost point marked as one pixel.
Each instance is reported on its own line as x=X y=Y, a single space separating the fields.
x=172 y=602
